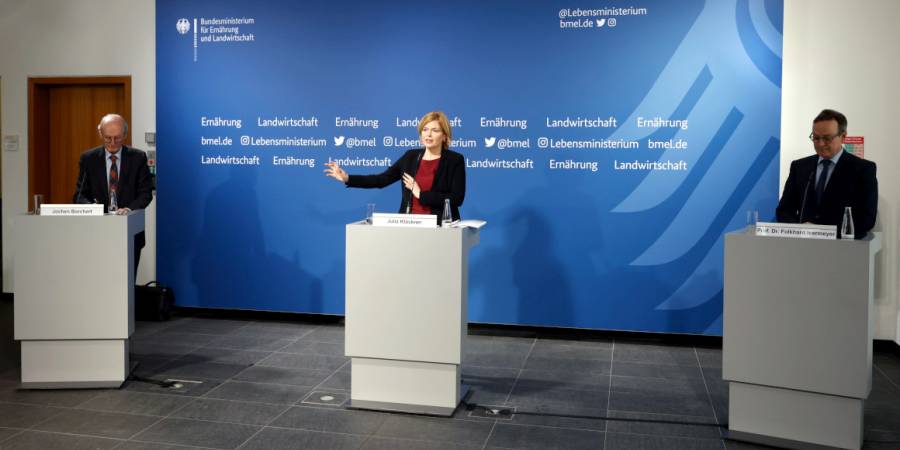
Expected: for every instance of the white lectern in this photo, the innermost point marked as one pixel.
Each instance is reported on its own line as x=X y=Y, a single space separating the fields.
x=74 y=298
x=406 y=316
x=797 y=346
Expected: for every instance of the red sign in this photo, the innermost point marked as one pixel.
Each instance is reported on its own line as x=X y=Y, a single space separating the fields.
x=855 y=145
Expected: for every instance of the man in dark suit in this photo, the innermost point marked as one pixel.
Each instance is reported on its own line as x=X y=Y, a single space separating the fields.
x=115 y=175
x=820 y=186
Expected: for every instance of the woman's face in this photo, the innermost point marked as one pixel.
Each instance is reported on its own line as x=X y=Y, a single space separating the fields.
x=432 y=135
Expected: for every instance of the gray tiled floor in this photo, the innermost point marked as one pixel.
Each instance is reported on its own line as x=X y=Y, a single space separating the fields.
x=256 y=385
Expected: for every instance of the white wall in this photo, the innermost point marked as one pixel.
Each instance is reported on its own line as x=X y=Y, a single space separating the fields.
x=70 y=38
x=846 y=56
x=837 y=54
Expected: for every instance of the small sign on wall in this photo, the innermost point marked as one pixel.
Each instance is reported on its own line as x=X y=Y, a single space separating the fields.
x=855 y=145
x=11 y=143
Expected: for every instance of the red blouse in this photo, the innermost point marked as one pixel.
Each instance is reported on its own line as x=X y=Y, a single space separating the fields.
x=424 y=178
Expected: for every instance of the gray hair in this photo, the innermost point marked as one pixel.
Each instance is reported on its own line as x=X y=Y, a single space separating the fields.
x=112 y=117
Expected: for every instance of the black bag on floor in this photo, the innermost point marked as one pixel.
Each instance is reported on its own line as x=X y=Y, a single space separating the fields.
x=153 y=301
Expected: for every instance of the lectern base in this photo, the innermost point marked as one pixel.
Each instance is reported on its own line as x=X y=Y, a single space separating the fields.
x=793 y=419
x=405 y=386
x=74 y=364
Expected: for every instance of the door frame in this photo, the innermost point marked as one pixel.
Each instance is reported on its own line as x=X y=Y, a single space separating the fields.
x=38 y=127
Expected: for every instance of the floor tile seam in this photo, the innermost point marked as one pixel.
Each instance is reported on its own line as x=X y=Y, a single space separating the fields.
x=108 y=437
x=342 y=433
x=305 y=327
x=267 y=383
x=490 y=433
x=161 y=419
x=232 y=400
x=555 y=427
x=666 y=436
x=552 y=427
x=48 y=418
x=141 y=394
x=170 y=443
x=519 y=372
x=612 y=361
x=658 y=378
x=98 y=393
x=191 y=419
x=292 y=342
x=312 y=353
x=308 y=353
x=570 y=358
x=708 y=393
x=882 y=372
x=698 y=396
x=19 y=431
x=161 y=332
x=651 y=412
x=666 y=414
x=657 y=363
x=110 y=411
x=74 y=435
x=333 y=374
x=302 y=396
x=214 y=346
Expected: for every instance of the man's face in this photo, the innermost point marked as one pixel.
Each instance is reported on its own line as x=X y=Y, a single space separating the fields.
x=826 y=139
x=113 y=134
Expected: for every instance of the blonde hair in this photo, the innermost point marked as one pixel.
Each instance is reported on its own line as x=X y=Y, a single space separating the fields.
x=442 y=121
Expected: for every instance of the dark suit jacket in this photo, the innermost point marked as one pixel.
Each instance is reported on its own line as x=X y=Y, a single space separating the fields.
x=135 y=184
x=852 y=183
x=449 y=181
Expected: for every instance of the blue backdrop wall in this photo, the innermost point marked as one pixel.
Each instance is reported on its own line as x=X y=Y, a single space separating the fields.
x=609 y=145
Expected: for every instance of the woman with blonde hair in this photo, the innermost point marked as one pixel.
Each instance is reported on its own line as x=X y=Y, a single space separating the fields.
x=430 y=174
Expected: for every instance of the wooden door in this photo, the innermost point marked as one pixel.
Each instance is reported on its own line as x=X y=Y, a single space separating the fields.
x=63 y=118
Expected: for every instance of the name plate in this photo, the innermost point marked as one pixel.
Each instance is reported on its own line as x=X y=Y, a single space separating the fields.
x=404 y=220
x=72 y=210
x=796 y=230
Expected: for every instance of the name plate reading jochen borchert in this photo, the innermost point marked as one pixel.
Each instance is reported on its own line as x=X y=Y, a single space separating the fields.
x=796 y=230
x=404 y=220
x=92 y=209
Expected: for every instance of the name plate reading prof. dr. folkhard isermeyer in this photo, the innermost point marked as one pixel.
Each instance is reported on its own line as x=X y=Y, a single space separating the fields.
x=404 y=220
x=91 y=209
x=796 y=230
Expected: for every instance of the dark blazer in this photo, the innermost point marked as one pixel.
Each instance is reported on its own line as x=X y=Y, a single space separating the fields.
x=135 y=184
x=852 y=183
x=449 y=181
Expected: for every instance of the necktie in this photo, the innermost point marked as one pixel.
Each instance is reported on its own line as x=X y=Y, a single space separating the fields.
x=113 y=176
x=823 y=177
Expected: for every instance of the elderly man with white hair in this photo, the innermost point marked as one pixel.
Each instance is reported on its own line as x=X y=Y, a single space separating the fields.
x=115 y=175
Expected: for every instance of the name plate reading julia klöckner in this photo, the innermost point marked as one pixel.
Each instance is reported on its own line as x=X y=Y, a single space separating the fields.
x=91 y=209
x=796 y=230
x=404 y=220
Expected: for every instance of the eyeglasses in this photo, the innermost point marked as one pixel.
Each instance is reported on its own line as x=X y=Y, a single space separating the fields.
x=823 y=139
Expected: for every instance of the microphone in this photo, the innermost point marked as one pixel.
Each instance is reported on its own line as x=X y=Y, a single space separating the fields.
x=415 y=169
x=79 y=196
x=805 y=191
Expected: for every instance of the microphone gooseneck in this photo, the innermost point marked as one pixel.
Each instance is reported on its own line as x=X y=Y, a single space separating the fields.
x=805 y=192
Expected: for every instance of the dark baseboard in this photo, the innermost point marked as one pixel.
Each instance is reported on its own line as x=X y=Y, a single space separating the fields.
x=582 y=334
x=6 y=297
x=249 y=314
x=880 y=346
